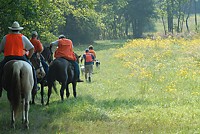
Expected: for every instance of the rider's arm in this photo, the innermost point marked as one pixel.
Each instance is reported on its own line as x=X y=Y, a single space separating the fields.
x=55 y=43
x=28 y=46
x=31 y=51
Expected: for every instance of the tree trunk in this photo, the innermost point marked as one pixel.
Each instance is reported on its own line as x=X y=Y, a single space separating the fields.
x=170 y=7
x=195 y=15
x=181 y=25
x=115 y=28
x=179 y=17
x=178 y=24
x=188 y=15
x=163 y=22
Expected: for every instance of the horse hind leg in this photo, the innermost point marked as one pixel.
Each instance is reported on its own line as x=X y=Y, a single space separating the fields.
x=74 y=89
x=63 y=87
x=33 y=96
x=26 y=122
x=42 y=92
x=67 y=91
x=49 y=93
x=25 y=110
x=12 y=118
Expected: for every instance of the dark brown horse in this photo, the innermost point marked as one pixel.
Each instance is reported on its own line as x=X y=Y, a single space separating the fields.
x=47 y=54
x=40 y=74
x=18 y=81
x=61 y=70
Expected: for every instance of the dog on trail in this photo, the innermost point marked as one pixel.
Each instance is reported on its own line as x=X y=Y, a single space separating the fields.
x=82 y=68
x=97 y=63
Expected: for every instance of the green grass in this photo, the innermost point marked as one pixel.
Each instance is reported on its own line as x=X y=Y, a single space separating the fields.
x=113 y=102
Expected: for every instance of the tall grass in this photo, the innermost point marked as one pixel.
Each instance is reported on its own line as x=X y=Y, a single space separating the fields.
x=142 y=86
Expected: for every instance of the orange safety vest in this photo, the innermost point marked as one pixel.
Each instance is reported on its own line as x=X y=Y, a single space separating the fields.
x=37 y=45
x=92 y=52
x=14 y=45
x=65 y=49
x=88 y=57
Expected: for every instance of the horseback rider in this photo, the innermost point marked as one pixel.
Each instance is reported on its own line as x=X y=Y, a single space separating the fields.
x=38 y=49
x=65 y=50
x=14 y=46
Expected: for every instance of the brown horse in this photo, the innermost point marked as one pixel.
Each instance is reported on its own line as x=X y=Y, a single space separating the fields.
x=36 y=62
x=47 y=54
x=40 y=73
x=18 y=81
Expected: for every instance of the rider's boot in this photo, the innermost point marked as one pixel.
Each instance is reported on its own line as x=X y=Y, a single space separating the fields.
x=79 y=80
x=1 y=73
x=1 y=89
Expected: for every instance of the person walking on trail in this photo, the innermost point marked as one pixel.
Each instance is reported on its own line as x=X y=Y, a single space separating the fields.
x=88 y=63
x=14 y=46
x=38 y=49
x=91 y=50
x=65 y=50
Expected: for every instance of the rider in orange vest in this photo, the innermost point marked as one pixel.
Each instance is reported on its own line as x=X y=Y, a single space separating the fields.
x=65 y=50
x=14 y=46
x=38 y=49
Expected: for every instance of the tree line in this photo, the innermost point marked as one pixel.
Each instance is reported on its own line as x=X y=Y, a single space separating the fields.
x=84 y=21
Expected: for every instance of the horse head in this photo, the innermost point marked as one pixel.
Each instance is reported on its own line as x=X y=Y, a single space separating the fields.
x=36 y=62
x=77 y=57
x=47 y=54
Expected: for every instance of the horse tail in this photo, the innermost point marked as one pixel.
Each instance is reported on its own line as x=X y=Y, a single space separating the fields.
x=16 y=93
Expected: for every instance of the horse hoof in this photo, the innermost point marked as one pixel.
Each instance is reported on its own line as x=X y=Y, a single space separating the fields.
x=26 y=127
x=13 y=126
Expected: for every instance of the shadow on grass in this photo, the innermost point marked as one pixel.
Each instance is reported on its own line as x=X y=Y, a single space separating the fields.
x=60 y=115
x=86 y=108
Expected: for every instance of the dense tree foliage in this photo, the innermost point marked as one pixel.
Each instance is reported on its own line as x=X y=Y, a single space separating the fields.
x=84 y=21
x=43 y=16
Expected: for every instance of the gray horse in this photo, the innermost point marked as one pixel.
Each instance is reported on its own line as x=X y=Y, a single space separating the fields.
x=18 y=81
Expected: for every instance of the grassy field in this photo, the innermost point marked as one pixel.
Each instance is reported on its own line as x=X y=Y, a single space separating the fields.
x=142 y=86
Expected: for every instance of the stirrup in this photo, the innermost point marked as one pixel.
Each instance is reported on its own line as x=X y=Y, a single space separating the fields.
x=79 y=80
x=1 y=90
